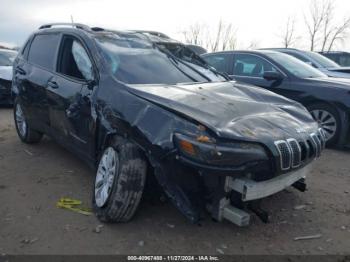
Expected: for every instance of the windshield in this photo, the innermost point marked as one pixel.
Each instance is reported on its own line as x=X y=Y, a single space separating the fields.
x=135 y=61
x=190 y=58
x=295 y=66
x=323 y=61
x=7 y=58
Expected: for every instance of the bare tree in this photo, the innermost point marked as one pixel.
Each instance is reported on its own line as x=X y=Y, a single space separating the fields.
x=254 y=44
x=327 y=23
x=339 y=33
x=288 y=36
x=322 y=21
x=214 y=43
x=222 y=37
x=193 y=34
x=314 y=22
x=229 y=38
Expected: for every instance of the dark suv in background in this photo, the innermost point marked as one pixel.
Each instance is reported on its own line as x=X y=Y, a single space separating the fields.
x=132 y=109
x=327 y=98
x=340 y=57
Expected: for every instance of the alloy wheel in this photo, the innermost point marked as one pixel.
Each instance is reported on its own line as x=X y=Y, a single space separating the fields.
x=21 y=121
x=106 y=172
x=327 y=122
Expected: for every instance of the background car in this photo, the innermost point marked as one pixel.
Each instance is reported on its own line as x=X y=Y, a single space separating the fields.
x=328 y=99
x=340 y=57
x=6 y=60
x=322 y=63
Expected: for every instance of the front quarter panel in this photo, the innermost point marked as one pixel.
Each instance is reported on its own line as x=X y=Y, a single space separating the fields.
x=149 y=126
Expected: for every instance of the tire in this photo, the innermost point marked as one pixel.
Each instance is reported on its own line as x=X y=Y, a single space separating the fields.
x=329 y=120
x=124 y=190
x=24 y=132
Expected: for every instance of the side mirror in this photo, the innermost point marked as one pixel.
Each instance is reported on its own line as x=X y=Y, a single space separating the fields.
x=272 y=76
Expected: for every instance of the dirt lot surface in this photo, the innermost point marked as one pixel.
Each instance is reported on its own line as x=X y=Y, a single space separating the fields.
x=34 y=177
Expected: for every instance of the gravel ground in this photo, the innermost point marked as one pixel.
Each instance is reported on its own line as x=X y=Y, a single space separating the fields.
x=34 y=177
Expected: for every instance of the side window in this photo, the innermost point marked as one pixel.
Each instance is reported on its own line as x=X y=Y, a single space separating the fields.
x=343 y=60
x=43 y=50
x=302 y=58
x=219 y=62
x=251 y=65
x=74 y=60
x=25 y=49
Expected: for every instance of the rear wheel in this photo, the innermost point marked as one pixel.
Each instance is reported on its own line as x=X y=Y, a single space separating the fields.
x=328 y=119
x=119 y=182
x=25 y=133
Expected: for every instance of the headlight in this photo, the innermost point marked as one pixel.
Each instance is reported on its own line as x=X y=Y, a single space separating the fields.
x=205 y=150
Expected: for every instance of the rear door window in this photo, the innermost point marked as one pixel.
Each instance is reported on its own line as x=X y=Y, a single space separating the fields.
x=218 y=61
x=43 y=50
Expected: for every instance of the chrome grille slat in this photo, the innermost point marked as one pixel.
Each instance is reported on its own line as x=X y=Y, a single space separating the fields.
x=323 y=137
x=317 y=144
x=296 y=152
x=285 y=154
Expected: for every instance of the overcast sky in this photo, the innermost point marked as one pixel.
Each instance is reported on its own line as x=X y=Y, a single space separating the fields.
x=256 y=21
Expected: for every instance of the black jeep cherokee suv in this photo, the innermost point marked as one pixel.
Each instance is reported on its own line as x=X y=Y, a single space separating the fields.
x=130 y=108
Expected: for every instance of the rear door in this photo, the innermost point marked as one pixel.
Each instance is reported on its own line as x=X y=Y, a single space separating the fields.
x=69 y=95
x=32 y=74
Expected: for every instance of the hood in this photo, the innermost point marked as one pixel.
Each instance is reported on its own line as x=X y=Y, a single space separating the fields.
x=232 y=110
x=336 y=72
x=332 y=82
x=6 y=73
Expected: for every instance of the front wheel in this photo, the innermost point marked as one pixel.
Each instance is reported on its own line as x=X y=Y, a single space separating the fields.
x=328 y=119
x=119 y=182
x=25 y=133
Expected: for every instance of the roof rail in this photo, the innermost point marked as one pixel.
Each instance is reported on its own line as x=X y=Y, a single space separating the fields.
x=76 y=25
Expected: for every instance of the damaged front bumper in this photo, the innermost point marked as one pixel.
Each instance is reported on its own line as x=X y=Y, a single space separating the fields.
x=201 y=179
x=250 y=190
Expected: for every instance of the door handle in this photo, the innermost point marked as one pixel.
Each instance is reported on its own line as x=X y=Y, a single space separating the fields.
x=52 y=84
x=20 y=70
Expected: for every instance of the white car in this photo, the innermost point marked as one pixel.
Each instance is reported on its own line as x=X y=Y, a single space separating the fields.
x=6 y=60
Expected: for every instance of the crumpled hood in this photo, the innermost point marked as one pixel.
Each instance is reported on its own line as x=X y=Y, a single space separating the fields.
x=232 y=110
x=6 y=73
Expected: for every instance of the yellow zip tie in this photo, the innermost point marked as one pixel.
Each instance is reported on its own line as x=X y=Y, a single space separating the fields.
x=73 y=205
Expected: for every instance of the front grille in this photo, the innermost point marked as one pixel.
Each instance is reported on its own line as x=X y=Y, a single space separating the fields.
x=293 y=153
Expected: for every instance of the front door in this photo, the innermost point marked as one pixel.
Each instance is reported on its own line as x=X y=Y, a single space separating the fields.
x=250 y=68
x=69 y=96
